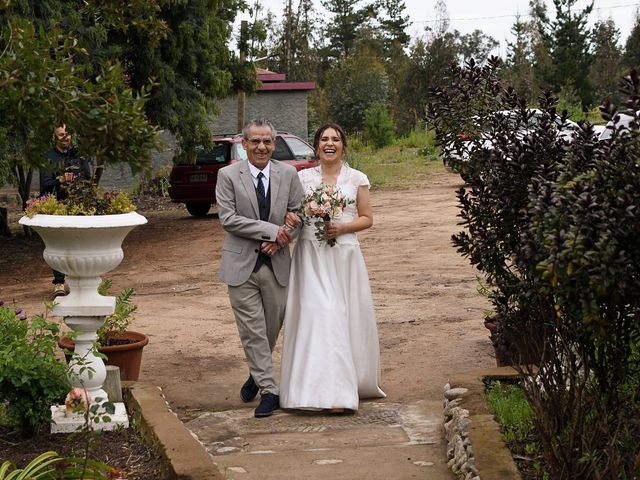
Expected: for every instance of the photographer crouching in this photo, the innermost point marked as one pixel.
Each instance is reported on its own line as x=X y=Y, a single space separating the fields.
x=68 y=171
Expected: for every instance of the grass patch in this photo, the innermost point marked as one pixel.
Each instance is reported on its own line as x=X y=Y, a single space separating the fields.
x=405 y=164
x=513 y=412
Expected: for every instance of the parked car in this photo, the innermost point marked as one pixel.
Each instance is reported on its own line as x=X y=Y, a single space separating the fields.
x=195 y=184
x=621 y=121
x=598 y=131
x=455 y=152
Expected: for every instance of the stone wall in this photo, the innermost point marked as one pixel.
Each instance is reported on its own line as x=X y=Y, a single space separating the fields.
x=287 y=110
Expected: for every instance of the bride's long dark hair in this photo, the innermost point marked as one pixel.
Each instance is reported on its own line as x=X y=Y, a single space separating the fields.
x=337 y=128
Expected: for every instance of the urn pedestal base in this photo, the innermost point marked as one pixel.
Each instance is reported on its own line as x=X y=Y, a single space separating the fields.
x=61 y=422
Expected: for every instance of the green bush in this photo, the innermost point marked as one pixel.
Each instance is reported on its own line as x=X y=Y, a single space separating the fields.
x=379 y=129
x=31 y=378
x=153 y=184
x=417 y=138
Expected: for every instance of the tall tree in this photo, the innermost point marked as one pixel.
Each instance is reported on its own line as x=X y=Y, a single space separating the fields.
x=343 y=27
x=192 y=66
x=541 y=39
x=356 y=84
x=476 y=45
x=429 y=59
x=567 y=39
x=631 y=57
x=412 y=90
x=606 y=61
x=518 y=68
x=393 y=23
x=255 y=34
x=181 y=46
x=293 y=43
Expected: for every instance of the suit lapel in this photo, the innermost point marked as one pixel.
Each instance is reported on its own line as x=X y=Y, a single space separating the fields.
x=274 y=185
x=250 y=189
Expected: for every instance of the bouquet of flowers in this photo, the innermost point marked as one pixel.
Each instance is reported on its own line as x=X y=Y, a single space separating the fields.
x=325 y=202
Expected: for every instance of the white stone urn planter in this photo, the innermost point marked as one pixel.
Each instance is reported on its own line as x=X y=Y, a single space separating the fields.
x=84 y=248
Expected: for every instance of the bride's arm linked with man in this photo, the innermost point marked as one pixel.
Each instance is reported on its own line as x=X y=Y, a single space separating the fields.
x=331 y=354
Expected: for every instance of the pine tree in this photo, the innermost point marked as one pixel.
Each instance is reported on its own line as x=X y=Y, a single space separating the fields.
x=631 y=57
x=293 y=44
x=346 y=22
x=393 y=24
x=606 y=66
x=567 y=41
x=518 y=68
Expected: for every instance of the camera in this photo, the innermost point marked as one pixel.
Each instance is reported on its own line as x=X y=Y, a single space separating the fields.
x=72 y=151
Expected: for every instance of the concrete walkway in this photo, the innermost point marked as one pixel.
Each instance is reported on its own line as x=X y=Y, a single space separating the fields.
x=383 y=440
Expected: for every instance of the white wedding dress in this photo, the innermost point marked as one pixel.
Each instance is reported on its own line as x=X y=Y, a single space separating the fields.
x=331 y=355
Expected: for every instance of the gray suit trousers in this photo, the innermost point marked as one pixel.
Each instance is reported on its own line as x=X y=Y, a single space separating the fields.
x=259 y=305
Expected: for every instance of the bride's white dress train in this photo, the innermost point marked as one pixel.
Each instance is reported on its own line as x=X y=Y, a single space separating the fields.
x=331 y=354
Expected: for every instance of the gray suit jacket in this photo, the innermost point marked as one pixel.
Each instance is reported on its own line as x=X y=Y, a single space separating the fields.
x=239 y=216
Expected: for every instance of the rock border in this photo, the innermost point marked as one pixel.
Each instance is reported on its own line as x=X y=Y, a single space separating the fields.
x=475 y=450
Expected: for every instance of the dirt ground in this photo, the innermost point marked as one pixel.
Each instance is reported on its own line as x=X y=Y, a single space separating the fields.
x=428 y=310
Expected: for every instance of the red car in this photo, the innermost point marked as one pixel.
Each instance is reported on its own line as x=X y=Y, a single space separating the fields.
x=195 y=185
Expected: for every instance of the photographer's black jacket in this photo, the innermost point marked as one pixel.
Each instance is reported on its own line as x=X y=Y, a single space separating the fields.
x=67 y=161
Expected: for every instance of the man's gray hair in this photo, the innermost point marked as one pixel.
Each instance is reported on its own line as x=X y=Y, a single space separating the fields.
x=258 y=122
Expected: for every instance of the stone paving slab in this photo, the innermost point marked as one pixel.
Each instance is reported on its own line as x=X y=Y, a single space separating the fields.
x=370 y=463
x=383 y=440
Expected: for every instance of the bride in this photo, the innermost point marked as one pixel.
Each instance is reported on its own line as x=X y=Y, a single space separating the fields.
x=331 y=356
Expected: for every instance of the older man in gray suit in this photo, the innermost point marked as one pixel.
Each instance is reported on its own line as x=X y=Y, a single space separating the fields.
x=253 y=198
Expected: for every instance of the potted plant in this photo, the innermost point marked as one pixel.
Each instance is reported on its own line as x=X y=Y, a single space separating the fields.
x=83 y=239
x=120 y=346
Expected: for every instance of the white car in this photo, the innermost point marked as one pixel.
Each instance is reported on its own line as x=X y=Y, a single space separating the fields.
x=460 y=151
x=621 y=121
x=598 y=130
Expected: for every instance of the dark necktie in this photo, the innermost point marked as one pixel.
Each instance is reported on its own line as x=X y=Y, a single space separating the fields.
x=260 y=186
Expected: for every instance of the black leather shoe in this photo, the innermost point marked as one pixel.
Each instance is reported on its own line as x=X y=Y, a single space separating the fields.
x=268 y=403
x=249 y=390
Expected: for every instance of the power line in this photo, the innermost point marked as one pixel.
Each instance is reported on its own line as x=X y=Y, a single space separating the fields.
x=522 y=14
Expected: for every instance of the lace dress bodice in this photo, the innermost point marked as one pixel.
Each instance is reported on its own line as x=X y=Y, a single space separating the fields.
x=349 y=180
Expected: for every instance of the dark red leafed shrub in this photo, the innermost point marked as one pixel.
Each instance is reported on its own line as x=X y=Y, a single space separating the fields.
x=552 y=219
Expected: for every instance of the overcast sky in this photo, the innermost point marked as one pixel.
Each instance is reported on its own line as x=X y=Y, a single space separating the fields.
x=494 y=17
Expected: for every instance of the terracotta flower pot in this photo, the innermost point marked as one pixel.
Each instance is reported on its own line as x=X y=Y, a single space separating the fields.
x=127 y=356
